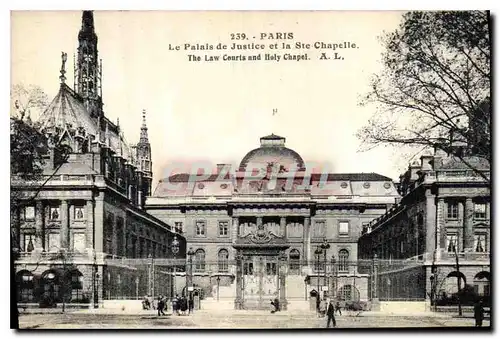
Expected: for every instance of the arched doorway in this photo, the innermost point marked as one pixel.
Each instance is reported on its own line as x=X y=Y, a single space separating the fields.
x=51 y=287
x=450 y=284
x=25 y=285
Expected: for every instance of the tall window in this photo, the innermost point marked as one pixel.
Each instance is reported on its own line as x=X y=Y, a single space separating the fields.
x=79 y=242
x=222 y=259
x=452 y=210
x=54 y=213
x=451 y=243
x=343 y=260
x=319 y=229
x=199 y=258
x=480 y=211
x=223 y=228
x=53 y=241
x=480 y=242
x=344 y=228
x=294 y=262
x=201 y=230
x=76 y=285
x=28 y=213
x=29 y=242
x=79 y=213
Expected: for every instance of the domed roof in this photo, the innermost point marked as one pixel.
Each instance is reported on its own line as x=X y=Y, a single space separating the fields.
x=272 y=150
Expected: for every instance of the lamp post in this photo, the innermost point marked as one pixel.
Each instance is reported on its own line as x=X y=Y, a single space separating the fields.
x=318 y=253
x=218 y=284
x=433 y=290
x=334 y=277
x=175 y=250
x=189 y=284
x=324 y=247
x=152 y=276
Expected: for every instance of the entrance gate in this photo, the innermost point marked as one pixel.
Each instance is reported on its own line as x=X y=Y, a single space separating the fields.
x=260 y=281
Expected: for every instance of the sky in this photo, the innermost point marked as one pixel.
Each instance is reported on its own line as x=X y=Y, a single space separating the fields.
x=217 y=111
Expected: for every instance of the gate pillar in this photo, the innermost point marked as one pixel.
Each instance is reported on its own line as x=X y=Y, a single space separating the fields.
x=282 y=280
x=238 y=302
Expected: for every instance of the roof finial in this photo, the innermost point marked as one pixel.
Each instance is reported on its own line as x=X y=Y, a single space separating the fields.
x=64 y=57
x=143 y=117
x=144 y=129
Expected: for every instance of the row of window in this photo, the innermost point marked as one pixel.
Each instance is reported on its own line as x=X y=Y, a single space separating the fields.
x=319 y=228
x=479 y=211
x=52 y=242
x=480 y=244
x=28 y=213
x=294 y=258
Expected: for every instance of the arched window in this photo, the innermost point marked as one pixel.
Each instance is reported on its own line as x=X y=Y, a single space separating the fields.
x=25 y=286
x=199 y=258
x=343 y=260
x=222 y=259
x=51 y=287
x=482 y=283
x=294 y=262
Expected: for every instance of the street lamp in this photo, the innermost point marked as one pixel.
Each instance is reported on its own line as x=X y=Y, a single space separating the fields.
x=190 y=254
x=324 y=247
x=334 y=276
x=152 y=276
x=218 y=284
x=433 y=288
x=318 y=253
x=175 y=251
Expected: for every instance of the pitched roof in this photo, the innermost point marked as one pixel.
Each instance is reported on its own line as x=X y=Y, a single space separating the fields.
x=67 y=111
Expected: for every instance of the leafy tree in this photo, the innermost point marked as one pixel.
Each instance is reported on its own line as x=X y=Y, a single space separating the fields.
x=435 y=83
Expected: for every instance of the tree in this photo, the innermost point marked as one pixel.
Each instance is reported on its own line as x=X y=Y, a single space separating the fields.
x=434 y=87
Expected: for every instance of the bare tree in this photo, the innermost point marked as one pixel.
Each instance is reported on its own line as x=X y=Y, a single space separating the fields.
x=435 y=86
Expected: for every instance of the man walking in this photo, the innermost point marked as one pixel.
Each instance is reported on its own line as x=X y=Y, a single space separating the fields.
x=331 y=314
x=479 y=313
x=161 y=305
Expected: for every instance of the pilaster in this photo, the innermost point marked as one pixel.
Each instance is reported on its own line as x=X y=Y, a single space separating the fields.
x=283 y=227
x=39 y=227
x=469 y=224
x=89 y=211
x=64 y=236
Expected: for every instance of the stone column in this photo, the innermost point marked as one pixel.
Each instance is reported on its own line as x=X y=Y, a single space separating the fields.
x=283 y=227
x=114 y=237
x=238 y=302
x=89 y=212
x=98 y=223
x=39 y=229
x=307 y=240
x=64 y=225
x=430 y=225
x=375 y=301
x=468 y=224
x=235 y=229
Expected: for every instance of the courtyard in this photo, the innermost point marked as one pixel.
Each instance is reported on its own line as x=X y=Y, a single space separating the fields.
x=205 y=319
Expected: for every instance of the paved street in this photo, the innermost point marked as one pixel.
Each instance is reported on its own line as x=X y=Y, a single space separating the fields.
x=235 y=319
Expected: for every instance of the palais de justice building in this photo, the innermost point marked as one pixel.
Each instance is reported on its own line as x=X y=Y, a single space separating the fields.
x=254 y=237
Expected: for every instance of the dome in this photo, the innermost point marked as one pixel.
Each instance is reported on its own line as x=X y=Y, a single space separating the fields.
x=272 y=150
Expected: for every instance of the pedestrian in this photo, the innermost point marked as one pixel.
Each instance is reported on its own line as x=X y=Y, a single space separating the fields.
x=184 y=305
x=191 y=304
x=331 y=315
x=175 y=305
x=322 y=308
x=479 y=313
x=277 y=304
x=161 y=305
x=337 y=308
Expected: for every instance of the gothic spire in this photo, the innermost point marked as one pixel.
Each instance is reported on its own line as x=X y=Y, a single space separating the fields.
x=88 y=73
x=144 y=129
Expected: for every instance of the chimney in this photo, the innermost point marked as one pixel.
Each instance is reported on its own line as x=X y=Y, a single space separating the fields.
x=226 y=167
x=426 y=161
x=414 y=168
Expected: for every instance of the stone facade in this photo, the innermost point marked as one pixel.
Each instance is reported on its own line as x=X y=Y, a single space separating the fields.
x=72 y=225
x=262 y=231
x=439 y=229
